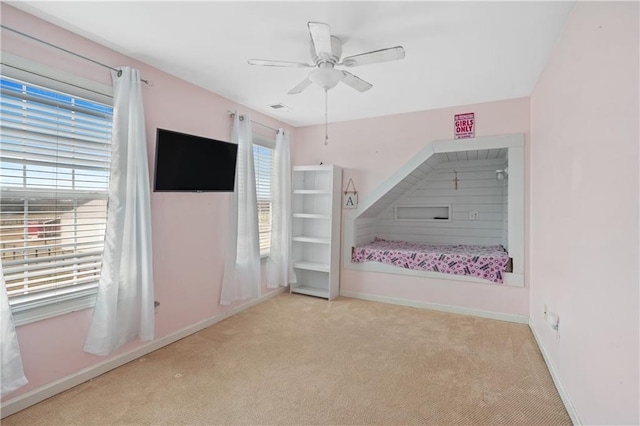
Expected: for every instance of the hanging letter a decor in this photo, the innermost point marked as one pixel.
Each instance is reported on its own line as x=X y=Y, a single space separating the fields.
x=350 y=197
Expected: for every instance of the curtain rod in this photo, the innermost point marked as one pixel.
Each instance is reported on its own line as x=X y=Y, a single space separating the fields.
x=149 y=83
x=232 y=114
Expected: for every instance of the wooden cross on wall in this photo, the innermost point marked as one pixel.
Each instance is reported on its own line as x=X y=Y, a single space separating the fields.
x=456 y=180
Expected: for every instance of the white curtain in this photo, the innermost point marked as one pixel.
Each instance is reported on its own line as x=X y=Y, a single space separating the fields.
x=11 y=365
x=242 y=265
x=280 y=266
x=124 y=308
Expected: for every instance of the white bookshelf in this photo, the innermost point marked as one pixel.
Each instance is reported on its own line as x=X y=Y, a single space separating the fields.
x=316 y=230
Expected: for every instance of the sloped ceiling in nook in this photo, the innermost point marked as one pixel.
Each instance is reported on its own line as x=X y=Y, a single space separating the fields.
x=428 y=166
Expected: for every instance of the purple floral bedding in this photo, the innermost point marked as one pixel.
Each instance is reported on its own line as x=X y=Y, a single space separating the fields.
x=488 y=262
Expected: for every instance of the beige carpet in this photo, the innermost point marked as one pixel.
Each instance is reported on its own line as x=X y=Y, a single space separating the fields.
x=301 y=360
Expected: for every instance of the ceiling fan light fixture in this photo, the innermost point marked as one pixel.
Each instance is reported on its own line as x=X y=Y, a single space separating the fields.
x=327 y=78
x=326 y=51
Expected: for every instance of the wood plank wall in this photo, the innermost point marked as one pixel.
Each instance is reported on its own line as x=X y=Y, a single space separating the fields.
x=478 y=191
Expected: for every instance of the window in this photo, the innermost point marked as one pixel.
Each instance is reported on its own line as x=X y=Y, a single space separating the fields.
x=54 y=176
x=263 y=162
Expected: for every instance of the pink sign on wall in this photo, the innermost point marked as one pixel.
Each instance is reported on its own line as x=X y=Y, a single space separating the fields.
x=464 y=125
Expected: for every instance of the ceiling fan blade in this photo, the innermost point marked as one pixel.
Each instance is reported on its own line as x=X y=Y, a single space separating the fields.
x=356 y=82
x=300 y=87
x=373 y=57
x=321 y=38
x=268 y=63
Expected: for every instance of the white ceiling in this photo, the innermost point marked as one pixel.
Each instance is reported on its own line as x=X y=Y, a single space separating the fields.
x=456 y=52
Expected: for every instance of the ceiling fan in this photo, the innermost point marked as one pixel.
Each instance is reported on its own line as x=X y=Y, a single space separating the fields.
x=326 y=51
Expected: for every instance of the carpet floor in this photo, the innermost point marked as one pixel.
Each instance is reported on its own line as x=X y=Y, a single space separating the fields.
x=301 y=360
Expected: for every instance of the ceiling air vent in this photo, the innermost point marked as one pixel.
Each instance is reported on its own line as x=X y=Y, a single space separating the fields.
x=280 y=107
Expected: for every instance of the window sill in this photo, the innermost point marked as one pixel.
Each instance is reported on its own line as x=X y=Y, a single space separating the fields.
x=28 y=309
x=32 y=308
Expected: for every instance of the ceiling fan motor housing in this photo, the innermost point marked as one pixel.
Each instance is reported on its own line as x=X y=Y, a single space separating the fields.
x=333 y=57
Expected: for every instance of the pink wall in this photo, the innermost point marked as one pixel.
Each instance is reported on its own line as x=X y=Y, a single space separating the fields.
x=581 y=198
x=371 y=150
x=584 y=210
x=189 y=230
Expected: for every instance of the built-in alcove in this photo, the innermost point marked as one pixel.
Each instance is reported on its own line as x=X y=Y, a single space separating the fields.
x=475 y=185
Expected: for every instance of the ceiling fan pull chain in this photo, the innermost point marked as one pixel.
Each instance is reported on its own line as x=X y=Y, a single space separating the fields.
x=326 y=116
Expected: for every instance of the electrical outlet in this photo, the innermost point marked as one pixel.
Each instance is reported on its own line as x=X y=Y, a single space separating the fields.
x=474 y=215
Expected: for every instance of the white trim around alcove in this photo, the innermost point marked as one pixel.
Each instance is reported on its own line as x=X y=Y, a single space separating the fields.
x=514 y=143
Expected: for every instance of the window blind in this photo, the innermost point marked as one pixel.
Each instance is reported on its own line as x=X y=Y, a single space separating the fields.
x=263 y=162
x=54 y=174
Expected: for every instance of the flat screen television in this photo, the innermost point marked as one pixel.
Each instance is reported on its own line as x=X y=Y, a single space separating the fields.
x=188 y=163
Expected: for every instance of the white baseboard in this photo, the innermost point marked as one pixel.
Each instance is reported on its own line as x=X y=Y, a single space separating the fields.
x=30 y=398
x=556 y=378
x=438 y=307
